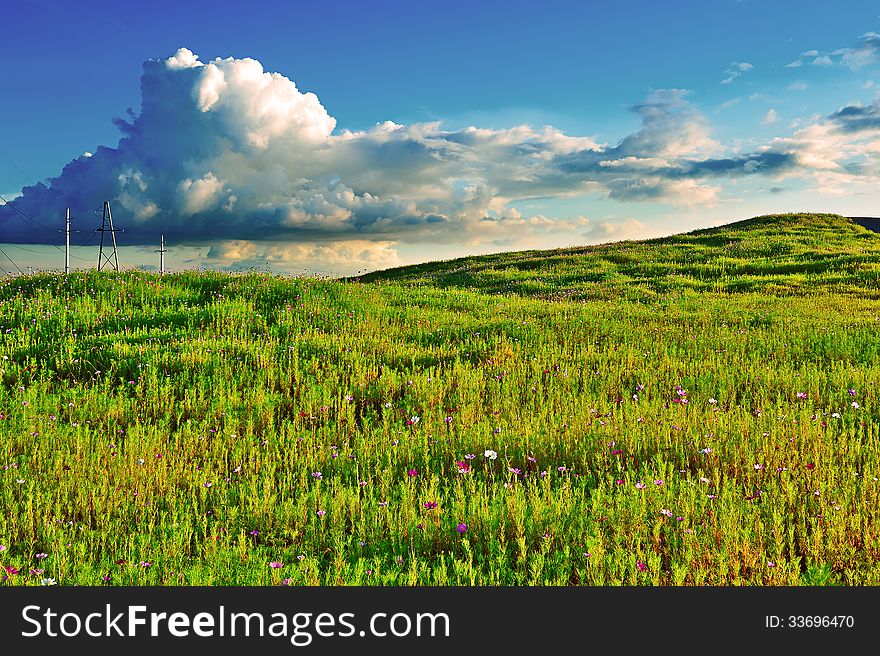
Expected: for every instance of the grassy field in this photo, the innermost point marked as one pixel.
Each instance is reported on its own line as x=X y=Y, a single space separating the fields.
x=700 y=409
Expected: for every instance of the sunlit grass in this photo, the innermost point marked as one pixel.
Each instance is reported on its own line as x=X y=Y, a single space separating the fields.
x=189 y=429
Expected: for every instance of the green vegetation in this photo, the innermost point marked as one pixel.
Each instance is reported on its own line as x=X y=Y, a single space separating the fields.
x=700 y=409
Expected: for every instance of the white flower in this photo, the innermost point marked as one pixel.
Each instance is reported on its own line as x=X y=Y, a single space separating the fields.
x=47 y=582
x=713 y=401
x=490 y=454
x=855 y=405
x=836 y=415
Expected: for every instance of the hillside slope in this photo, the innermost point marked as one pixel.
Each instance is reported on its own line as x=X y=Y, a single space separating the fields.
x=779 y=254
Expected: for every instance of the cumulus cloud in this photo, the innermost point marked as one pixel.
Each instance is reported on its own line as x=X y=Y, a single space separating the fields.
x=328 y=257
x=735 y=70
x=771 y=117
x=227 y=155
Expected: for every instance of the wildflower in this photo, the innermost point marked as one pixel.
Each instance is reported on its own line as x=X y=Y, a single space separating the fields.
x=851 y=392
x=703 y=479
x=49 y=581
x=560 y=469
x=276 y=564
x=463 y=467
x=448 y=420
x=713 y=401
x=317 y=475
x=321 y=513
x=811 y=466
x=706 y=451
x=641 y=566
x=587 y=554
x=382 y=504
x=2 y=547
x=640 y=486
x=666 y=512
x=855 y=405
x=836 y=415
x=430 y=505
x=497 y=430
x=301 y=557
x=679 y=519
x=514 y=470
x=620 y=481
x=758 y=467
x=462 y=528
x=470 y=456
x=711 y=496
x=490 y=454
x=41 y=556
x=145 y=564
x=412 y=473
x=12 y=571
x=208 y=484
x=412 y=421
x=658 y=481
x=770 y=563
x=255 y=532
x=801 y=395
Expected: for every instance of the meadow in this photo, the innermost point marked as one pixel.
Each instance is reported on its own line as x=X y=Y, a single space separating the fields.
x=692 y=410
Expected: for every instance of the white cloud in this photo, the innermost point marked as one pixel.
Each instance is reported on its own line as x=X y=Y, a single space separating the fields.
x=771 y=117
x=735 y=70
x=227 y=155
x=798 y=85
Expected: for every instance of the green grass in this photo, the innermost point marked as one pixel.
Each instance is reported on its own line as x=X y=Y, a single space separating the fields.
x=161 y=420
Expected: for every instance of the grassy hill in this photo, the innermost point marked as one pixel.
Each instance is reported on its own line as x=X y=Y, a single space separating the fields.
x=778 y=254
x=699 y=409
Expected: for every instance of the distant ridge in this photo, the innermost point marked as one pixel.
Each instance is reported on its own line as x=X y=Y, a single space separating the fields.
x=777 y=254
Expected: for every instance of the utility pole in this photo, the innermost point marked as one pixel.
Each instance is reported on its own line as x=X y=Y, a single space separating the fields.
x=107 y=226
x=67 y=220
x=67 y=242
x=162 y=250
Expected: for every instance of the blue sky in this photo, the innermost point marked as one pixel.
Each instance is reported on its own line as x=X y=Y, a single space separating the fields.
x=665 y=117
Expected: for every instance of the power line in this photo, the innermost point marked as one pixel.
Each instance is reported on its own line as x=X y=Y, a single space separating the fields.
x=13 y=261
x=17 y=168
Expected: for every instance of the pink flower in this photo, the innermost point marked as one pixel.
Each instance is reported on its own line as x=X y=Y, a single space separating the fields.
x=276 y=565
x=321 y=513
x=412 y=473
x=641 y=566
x=658 y=481
x=462 y=528
x=666 y=512
x=640 y=486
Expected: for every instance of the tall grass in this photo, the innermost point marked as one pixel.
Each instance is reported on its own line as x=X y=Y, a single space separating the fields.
x=194 y=428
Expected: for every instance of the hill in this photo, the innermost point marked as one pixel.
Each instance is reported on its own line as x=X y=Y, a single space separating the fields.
x=706 y=413
x=778 y=254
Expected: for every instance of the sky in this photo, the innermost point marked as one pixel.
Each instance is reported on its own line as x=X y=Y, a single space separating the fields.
x=339 y=137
